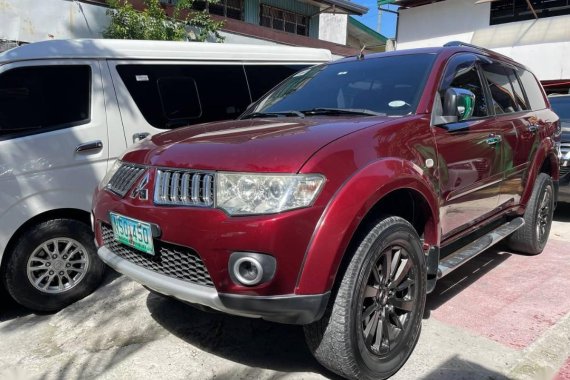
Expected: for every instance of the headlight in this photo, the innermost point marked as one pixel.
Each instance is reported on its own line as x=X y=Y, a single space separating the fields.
x=245 y=194
x=110 y=174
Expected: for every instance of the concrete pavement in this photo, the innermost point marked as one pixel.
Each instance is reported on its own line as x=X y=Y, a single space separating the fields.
x=500 y=316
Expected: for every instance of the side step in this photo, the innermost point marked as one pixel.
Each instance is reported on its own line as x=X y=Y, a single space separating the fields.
x=464 y=254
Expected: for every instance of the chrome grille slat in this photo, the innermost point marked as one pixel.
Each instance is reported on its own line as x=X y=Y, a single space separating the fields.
x=171 y=260
x=184 y=188
x=124 y=179
x=174 y=187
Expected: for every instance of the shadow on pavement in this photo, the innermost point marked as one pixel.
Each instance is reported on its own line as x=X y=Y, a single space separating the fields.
x=562 y=213
x=457 y=281
x=10 y=309
x=457 y=368
x=252 y=342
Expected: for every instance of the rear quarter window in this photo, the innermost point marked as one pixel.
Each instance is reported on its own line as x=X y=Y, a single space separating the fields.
x=533 y=90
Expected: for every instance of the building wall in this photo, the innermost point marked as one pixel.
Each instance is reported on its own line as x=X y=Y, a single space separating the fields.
x=252 y=8
x=333 y=27
x=25 y=20
x=543 y=45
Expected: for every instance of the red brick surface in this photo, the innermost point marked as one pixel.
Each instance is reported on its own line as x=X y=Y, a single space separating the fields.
x=564 y=372
x=509 y=298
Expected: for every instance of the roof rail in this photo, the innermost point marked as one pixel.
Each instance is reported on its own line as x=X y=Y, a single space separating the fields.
x=488 y=51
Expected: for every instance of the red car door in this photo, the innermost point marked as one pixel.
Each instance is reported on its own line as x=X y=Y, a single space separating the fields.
x=469 y=153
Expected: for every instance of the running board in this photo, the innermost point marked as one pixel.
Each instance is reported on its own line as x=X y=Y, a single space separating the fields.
x=464 y=254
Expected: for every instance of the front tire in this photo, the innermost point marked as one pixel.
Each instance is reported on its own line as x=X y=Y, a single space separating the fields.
x=54 y=264
x=532 y=237
x=373 y=324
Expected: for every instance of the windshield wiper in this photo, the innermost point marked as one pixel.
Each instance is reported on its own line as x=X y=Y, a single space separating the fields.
x=272 y=114
x=342 y=111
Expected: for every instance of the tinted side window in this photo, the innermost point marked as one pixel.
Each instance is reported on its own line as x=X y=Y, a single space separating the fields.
x=499 y=79
x=44 y=97
x=262 y=78
x=519 y=93
x=461 y=72
x=532 y=89
x=170 y=96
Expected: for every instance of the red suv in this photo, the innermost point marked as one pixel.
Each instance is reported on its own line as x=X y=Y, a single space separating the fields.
x=338 y=199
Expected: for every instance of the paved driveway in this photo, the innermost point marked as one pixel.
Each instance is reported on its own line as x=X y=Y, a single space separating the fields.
x=500 y=316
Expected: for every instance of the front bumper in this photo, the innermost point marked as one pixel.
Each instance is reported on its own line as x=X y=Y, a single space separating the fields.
x=291 y=309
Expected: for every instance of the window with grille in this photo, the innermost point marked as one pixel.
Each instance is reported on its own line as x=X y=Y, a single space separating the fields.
x=225 y=8
x=286 y=21
x=504 y=11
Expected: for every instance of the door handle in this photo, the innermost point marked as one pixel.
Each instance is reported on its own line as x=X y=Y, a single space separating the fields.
x=140 y=136
x=92 y=145
x=494 y=139
x=533 y=128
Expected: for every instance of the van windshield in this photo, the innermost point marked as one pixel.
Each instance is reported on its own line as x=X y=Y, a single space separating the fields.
x=375 y=86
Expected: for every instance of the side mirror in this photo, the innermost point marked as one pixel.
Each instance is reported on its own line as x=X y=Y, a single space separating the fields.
x=458 y=103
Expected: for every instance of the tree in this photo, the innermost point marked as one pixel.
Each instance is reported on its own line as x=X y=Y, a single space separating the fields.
x=153 y=24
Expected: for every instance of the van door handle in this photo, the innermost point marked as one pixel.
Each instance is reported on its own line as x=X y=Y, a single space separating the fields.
x=494 y=139
x=92 y=145
x=140 y=136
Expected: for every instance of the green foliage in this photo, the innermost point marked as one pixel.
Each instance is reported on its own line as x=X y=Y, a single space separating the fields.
x=153 y=24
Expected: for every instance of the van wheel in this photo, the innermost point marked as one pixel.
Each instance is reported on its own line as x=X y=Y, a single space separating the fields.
x=54 y=264
x=532 y=237
x=373 y=323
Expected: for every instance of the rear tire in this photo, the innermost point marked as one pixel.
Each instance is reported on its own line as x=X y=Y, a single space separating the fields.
x=373 y=323
x=54 y=264
x=532 y=237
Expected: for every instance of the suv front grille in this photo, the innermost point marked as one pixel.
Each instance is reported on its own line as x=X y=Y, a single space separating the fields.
x=170 y=260
x=124 y=179
x=184 y=188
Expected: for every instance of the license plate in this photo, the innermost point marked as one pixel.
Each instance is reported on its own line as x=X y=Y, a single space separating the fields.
x=133 y=233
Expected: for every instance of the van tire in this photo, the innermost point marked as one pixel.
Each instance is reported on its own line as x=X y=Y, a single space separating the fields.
x=43 y=240
x=531 y=238
x=338 y=340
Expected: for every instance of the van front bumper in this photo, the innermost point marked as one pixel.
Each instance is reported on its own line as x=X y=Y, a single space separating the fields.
x=290 y=309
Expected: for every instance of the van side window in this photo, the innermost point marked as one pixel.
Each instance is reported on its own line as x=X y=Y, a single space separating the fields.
x=461 y=72
x=170 y=96
x=179 y=98
x=35 y=99
x=262 y=78
x=499 y=78
x=532 y=89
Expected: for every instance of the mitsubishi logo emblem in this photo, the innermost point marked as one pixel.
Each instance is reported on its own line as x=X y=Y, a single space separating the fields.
x=141 y=192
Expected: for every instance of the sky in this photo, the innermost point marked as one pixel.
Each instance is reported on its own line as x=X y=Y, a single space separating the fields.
x=388 y=20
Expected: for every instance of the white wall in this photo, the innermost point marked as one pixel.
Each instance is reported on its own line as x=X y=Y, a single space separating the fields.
x=333 y=28
x=33 y=20
x=543 y=45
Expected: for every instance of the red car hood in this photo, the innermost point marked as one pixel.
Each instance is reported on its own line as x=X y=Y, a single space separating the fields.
x=278 y=145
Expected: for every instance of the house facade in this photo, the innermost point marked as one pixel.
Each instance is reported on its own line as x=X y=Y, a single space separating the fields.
x=310 y=23
x=537 y=35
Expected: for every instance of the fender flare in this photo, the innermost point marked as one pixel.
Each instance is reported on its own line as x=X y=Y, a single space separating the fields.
x=36 y=204
x=347 y=209
x=545 y=150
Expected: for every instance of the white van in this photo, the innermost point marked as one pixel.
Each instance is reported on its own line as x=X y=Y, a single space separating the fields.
x=68 y=108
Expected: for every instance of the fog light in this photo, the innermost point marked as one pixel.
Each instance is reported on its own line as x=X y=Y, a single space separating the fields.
x=248 y=271
x=251 y=268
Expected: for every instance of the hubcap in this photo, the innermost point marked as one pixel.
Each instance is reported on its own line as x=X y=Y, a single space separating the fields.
x=57 y=265
x=543 y=220
x=387 y=299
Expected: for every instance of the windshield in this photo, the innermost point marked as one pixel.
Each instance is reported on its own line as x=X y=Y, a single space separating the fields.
x=386 y=86
x=561 y=106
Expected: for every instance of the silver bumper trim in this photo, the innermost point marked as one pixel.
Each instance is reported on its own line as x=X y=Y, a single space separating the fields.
x=182 y=290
